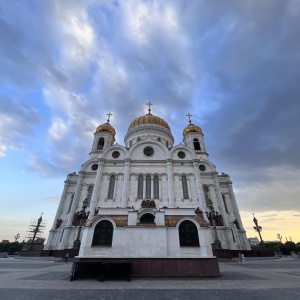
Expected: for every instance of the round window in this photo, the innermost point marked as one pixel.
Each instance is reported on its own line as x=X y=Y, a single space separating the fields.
x=115 y=154
x=94 y=167
x=148 y=151
x=181 y=154
x=202 y=168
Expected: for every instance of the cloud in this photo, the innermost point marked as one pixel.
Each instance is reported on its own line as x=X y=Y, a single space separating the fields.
x=17 y=120
x=233 y=65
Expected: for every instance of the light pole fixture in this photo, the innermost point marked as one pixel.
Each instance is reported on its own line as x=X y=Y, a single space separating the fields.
x=81 y=216
x=258 y=229
x=279 y=237
x=217 y=243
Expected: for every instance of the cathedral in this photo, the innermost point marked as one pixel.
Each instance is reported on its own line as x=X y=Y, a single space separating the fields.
x=148 y=198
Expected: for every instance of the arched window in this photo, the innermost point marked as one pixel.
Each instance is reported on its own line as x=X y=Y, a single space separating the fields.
x=100 y=143
x=184 y=187
x=103 y=234
x=197 y=144
x=188 y=234
x=147 y=219
x=233 y=236
x=140 y=187
x=148 y=187
x=71 y=202
x=90 y=193
x=167 y=144
x=156 y=187
x=225 y=204
x=130 y=144
x=111 y=186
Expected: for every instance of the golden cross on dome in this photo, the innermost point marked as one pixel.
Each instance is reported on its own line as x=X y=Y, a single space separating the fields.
x=149 y=109
x=109 y=115
x=189 y=116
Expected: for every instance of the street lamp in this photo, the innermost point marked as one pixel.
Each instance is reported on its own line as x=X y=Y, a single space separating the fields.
x=81 y=216
x=217 y=243
x=279 y=237
x=258 y=229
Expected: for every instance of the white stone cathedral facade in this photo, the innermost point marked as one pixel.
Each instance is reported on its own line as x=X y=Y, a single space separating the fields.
x=148 y=198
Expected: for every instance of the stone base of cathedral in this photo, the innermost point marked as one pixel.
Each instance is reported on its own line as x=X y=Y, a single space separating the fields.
x=165 y=267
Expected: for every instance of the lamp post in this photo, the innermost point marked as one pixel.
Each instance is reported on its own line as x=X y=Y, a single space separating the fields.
x=217 y=243
x=81 y=215
x=258 y=229
x=279 y=237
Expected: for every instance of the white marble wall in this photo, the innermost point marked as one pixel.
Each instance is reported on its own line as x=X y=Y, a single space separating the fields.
x=145 y=241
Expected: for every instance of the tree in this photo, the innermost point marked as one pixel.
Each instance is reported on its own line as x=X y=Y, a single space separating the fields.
x=17 y=236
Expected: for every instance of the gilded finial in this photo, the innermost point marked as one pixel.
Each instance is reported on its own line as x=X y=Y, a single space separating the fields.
x=149 y=109
x=109 y=115
x=189 y=116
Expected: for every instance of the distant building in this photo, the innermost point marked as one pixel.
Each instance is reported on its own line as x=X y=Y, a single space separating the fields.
x=253 y=241
x=148 y=198
x=5 y=242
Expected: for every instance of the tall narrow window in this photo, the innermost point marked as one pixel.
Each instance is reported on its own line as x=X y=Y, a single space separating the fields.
x=71 y=202
x=148 y=187
x=196 y=144
x=185 y=187
x=225 y=204
x=140 y=187
x=111 y=186
x=62 y=234
x=167 y=144
x=89 y=194
x=188 y=234
x=156 y=187
x=100 y=143
x=103 y=234
x=233 y=235
x=206 y=193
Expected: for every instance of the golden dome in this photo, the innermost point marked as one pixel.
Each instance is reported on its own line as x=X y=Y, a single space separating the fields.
x=149 y=119
x=106 y=127
x=191 y=128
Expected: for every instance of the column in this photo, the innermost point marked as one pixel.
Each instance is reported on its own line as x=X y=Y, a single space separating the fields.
x=200 y=193
x=227 y=200
x=144 y=187
x=125 y=183
x=152 y=186
x=97 y=184
x=219 y=198
x=76 y=198
x=115 y=187
x=160 y=187
x=189 y=187
x=234 y=205
x=170 y=182
x=61 y=203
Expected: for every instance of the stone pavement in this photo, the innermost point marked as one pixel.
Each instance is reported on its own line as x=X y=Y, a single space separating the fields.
x=258 y=279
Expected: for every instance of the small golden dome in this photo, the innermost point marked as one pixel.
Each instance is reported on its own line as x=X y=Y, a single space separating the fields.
x=191 y=128
x=106 y=127
x=149 y=119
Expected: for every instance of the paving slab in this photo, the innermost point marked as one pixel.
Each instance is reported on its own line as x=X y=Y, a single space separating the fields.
x=260 y=279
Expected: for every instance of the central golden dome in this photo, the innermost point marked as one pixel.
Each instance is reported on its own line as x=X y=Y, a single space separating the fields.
x=149 y=119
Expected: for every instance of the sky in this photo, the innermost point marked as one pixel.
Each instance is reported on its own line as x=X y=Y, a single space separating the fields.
x=234 y=65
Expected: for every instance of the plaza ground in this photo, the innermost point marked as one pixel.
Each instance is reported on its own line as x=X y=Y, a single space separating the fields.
x=258 y=279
